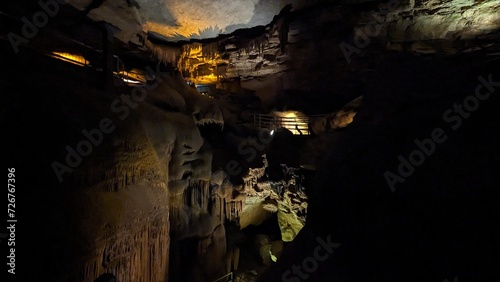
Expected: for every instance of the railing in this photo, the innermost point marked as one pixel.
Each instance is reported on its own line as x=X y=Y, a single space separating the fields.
x=131 y=78
x=298 y=125
x=226 y=278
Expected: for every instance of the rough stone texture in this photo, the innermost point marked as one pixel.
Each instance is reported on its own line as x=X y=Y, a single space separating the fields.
x=152 y=178
x=338 y=120
x=441 y=221
x=261 y=197
x=176 y=20
x=122 y=209
x=147 y=181
x=110 y=213
x=308 y=49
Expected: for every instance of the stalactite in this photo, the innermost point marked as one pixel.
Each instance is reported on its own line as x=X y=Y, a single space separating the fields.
x=142 y=256
x=196 y=198
x=228 y=210
x=165 y=54
x=187 y=48
x=196 y=194
x=206 y=197
x=258 y=43
x=211 y=50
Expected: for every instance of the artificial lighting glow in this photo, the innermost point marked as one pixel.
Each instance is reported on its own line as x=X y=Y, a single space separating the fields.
x=294 y=121
x=273 y=257
x=272 y=132
x=131 y=81
x=202 y=63
x=134 y=75
x=70 y=58
x=205 y=79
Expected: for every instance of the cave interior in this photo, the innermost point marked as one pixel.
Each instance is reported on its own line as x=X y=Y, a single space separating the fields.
x=252 y=140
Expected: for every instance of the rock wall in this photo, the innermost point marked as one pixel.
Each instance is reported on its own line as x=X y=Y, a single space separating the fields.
x=424 y=227
x=95 y=184
x=260 y=197
x=144 y=197
x=310 y=54
x=122 y=210
x=112 y=176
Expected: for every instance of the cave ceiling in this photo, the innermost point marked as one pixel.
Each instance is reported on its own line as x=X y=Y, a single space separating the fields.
x=175 y=20
x=212 y=39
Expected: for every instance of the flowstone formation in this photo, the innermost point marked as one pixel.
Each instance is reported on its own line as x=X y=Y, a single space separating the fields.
x=162 y=134
x=286 y=198
x=197 y=197
x=193 y=220
x=130 y=200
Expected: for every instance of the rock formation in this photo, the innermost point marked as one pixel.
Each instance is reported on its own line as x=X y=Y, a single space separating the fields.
x=159 y=182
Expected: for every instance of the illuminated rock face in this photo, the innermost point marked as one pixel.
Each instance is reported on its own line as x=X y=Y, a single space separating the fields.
x=122 y=210
x=110 y=212
x=151 y=185
x=152 y=179
x=421 y=26
x=297 y=51
x=175 y=20
x=291 y=52
x=258 y=56
x=396 y=235
x=337 y=120
x=261 y=197
x=196 y=199
x=186 y=205
x=189 y=159
x=136 y=192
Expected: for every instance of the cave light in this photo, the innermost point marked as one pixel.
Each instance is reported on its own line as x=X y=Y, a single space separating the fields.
x=205 y=79
x=294 y=121
x=133 y=77
x=70 y=58
x=131 y=81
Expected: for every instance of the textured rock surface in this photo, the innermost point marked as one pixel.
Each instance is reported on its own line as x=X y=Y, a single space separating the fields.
x=262 y=197
x=180 y=20
x=146 y=206
x=428 y=227
x=123 y=198
x=110 y=213
x=314 y=49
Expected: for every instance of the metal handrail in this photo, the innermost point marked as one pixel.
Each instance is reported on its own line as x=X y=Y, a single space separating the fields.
x=298 y=125
x=230 y=274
